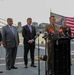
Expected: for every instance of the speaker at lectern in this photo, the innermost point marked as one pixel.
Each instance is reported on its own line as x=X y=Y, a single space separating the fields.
x=60 y=57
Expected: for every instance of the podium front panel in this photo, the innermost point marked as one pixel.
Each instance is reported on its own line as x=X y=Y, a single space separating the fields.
x=61 y=56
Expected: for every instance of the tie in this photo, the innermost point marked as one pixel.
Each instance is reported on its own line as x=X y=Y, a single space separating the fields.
x=12 y=29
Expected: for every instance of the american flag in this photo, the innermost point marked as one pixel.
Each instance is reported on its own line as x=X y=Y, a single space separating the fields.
x=70 y=21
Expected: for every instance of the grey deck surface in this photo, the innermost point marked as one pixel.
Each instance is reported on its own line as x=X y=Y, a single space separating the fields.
x=20 y=64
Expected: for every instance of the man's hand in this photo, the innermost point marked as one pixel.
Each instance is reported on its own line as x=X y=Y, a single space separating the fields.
x=1 y=42
x=30 y=41
x=47 y=41
x=4 y=45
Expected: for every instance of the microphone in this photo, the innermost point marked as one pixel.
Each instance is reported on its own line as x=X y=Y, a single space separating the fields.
x=61 y=32
x=40 y=31
x=37 y=34
x=50 y=31
x=67 y=32
x=45 y=35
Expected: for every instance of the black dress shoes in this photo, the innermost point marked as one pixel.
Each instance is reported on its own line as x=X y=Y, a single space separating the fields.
x=8 y=68
x=1 y=71
x=13 y=67
x=26 y=66
x=32 y=65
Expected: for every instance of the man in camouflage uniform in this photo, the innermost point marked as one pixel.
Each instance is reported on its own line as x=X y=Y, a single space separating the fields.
x=56 y=29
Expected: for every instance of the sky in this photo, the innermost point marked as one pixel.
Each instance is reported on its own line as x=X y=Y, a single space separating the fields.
x=38 y=10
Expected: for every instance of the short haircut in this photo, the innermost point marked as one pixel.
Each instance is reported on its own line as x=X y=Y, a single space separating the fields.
x=29 y=18
x=9 y=19
x=51 y=17
x=64 y=19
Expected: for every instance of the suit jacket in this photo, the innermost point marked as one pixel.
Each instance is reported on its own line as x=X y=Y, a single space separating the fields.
x=0 y=36
x=11 y=40
x=27 y=35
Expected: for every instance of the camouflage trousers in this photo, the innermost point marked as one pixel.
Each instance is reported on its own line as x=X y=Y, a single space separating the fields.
x=49 y=58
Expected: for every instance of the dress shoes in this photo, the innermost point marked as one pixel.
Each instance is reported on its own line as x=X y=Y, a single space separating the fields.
x=26 y=66
x=1 y=71
x=32 y=65
x=13 y=67
x=8 y=68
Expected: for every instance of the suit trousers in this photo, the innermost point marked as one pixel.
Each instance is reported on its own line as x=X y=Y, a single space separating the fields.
x=27 y=48
x=10 y=56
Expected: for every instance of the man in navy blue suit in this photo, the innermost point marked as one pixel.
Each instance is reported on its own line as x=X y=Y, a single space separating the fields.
x=29 y=33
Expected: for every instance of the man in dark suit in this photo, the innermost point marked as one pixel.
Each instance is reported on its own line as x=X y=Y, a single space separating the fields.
x=29 y=33
x=66 y=29
x=10 y=42
x=0 y=45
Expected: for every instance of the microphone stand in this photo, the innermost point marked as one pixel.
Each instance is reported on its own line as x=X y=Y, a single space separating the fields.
x=45 y=60
x=46 y=71
x=38 y=52
x=38 y=56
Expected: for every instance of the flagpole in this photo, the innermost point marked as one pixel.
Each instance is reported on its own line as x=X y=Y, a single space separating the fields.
x=50 y=12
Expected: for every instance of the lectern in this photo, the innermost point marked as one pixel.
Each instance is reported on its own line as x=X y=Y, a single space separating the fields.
x=61 y=56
